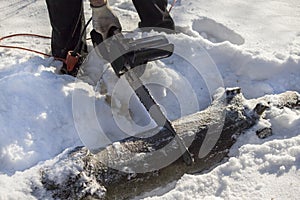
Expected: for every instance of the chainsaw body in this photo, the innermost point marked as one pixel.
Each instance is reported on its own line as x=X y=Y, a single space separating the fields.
x=127 y=53
x=124 y=54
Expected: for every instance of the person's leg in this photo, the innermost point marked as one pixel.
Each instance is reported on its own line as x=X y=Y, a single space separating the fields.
x=153 y=13
x=67 y=21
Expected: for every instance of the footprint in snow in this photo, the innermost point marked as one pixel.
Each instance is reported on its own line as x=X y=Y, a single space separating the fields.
x=216 y=32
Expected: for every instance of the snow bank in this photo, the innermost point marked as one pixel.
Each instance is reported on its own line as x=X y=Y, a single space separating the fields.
x=36 y=121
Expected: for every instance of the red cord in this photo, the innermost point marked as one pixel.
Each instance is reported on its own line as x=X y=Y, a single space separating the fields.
x=25 y=49
x=173 y=4
x=25 y=34
x=30 y=50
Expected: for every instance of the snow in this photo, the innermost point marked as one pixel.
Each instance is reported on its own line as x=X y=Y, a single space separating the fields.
x=254 y=45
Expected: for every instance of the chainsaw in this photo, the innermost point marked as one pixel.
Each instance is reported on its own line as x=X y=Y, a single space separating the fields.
x=125 y=54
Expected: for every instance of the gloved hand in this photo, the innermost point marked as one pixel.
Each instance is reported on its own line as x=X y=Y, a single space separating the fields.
x=104 y=19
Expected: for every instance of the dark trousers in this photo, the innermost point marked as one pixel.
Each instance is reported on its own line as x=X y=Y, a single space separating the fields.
x=153 y=13
x=67 y=21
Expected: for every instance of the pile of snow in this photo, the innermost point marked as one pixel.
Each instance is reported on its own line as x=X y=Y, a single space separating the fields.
x=255 y=45
x=36 y=122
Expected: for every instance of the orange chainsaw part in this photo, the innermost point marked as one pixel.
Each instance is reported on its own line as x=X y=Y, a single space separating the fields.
x=71 y=60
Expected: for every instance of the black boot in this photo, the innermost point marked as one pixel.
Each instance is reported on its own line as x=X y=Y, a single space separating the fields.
x=153 y=13
x=67 y=21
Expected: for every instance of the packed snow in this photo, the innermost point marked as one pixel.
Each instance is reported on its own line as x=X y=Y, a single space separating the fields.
x=254 y=45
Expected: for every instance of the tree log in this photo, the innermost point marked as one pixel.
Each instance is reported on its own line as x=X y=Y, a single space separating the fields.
x=209 y=135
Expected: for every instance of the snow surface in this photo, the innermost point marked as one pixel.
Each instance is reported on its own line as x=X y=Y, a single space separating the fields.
x=255 y=45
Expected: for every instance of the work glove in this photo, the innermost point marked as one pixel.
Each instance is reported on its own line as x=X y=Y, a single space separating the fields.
x=104 y=20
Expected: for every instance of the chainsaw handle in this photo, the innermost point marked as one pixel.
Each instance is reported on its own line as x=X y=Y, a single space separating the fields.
x=142 y=56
